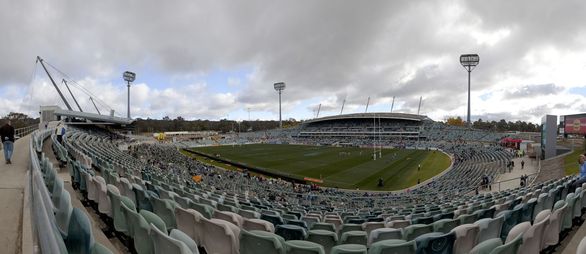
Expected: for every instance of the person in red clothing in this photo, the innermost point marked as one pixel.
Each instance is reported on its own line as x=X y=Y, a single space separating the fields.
x=7 y=136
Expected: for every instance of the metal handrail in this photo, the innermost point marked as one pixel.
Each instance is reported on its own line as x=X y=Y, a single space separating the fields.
x=21 y=132
x=530 y=178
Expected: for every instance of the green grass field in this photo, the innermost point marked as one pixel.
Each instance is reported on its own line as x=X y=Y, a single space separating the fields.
x=571 y=162
x=397 y=167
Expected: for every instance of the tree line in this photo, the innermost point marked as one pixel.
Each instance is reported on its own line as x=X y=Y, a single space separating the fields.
x=498 y=126
x=223 y=125
x=19 y=120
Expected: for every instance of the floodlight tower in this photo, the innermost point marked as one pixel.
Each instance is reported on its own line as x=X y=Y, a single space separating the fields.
x=469 y=62
x=280 y=87
x=128 y=77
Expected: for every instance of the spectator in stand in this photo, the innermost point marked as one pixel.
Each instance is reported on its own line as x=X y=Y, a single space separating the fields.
x=581 y=172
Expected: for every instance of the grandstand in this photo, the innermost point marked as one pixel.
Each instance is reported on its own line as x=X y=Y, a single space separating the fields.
x=365 y=125
x=146 y=199
x=382 y=127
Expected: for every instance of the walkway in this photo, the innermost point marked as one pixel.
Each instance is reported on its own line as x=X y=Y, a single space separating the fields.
x=510 y=180
x=12 y=185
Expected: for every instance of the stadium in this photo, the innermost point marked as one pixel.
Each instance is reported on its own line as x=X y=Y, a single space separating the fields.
x=160 y=159
x=232 y=196
x=375 y=182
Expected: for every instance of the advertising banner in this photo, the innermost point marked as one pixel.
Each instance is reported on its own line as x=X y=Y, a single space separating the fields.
x=575 y=125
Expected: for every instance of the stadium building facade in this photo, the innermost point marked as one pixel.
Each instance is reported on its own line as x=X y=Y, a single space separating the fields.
x=365 y=125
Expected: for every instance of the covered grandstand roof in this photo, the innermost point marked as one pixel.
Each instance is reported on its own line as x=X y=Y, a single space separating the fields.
x=105 y=119
x=382 y=115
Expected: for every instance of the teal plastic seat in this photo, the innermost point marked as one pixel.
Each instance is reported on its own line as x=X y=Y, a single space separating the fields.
x=349 y=249
x=487 y=246
x=166 y=244
x=349 y=227
x=142 y=198
x=143 y=243
x=82 y=180
x=511 y=247
x=303 y=247
x=370 y=226
x=258 y=224
x=380 y=234
x=288 y=216
x=126 y=211
x=354 y=237
x=183 y=201
x=467 y=219
x=275 y=219
x=291 y=232
x=445 y=225
x=413 y=231
x=256 y=241
x=466 y=237
x=100 y=249
x=118 y=218
x=555 y=227
x=205 y=210
x=323 y=226
x=436 y=243
x=165 y=209
x=489 y=228
x=511 y=218
x=393 y=246
x=227 y=208
x=571 y=202
x=79 y=238
x=189 y=221
x=297 y=223
x=310 y=220
x=63 y=214
x=220 y=236
x=484 y=213
x=325 y=238
x=398 y=224
x=249 y=214
x=56 y=193
x=527 y=210
x=184 y=238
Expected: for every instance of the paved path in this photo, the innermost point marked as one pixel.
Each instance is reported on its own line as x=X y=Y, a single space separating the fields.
x=12 y=184
x=510 y=180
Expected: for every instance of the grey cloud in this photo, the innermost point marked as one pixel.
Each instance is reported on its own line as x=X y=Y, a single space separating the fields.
x=529 y=91
x=344 y=48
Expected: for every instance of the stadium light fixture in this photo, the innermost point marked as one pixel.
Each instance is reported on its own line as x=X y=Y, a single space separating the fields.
x=128 y=77
x=279 y=87
x=469 y=62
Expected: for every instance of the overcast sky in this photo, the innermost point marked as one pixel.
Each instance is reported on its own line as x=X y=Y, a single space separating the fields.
x=218 y=59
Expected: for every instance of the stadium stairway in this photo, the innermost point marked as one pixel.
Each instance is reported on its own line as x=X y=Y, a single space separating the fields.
x=112 y=243
x=570 y=246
